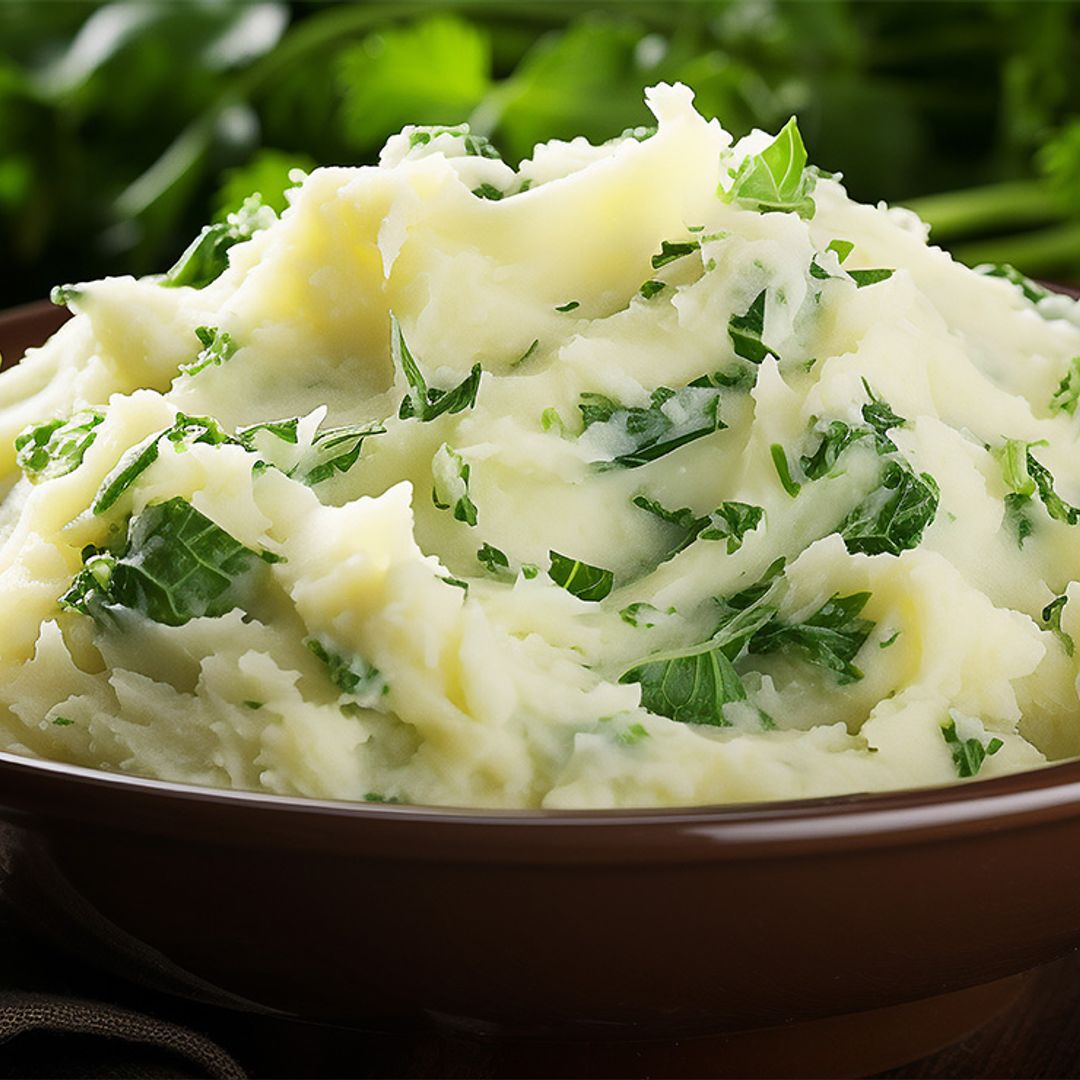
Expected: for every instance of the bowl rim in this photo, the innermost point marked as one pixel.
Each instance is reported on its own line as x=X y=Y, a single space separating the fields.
x=62 y=792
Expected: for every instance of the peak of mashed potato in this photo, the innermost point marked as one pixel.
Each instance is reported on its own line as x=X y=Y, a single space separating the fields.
x=651 y=473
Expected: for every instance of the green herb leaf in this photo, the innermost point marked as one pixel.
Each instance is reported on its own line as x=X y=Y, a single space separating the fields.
x=570 y=305
x=880 y=417
x=1029 y=288
x=745 y=332
x=1067 y=394
x=185 y=432
x=968 y=754
x=177 y=566
x=493 y=560
x=783 y=470
x=830 y=638
x=730 y=521
x=285 y=430
x=57 y=447
x=206 y=258
x=672 y=419
x=217 y=347
x=670 y=250
x=641 y=615
x=488 y=191
x=526 y=354
x=843 y=249
x=777 y=179
x=1051 y=616
x=426 y=403
x=451 y=485
x=335 y=450
x=651 y=288
x=863 y=278
x=352 y=675
x=835 y=439
x=584 y=581
x=893 y=517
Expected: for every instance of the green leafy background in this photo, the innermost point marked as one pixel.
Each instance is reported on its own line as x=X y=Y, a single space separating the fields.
x=124 y=126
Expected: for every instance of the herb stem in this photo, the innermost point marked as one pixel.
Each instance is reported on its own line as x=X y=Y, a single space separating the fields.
x=1012 y=204
x=1039 y=252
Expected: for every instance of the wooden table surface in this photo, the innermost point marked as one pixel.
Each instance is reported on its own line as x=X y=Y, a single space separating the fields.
x=1038 y=1036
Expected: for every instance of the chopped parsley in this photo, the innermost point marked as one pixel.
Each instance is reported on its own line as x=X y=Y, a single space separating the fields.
x=475 y=145
x=968 y=754
x=670 y=250
x=651 y=288
x=1028 y=477
x=57 y=447
x=894 y=516
x=863 y=278
x=745 y=332
x=843 y=249
x=488 y=191
x=62 y=721
x=493 y=560
x=186 y=431
x=335 y=450
x=570 y=305
x=730 y=521
x=579 y=578
x=217 y=347
x=1051 y=617
x=1067 y=394
x=1032 y=291
x=642 y=615
x=207 y=256
x=783 y=470
x=423 y=402
x=450 y=491
x=672 y=419
x=527 y=353
x=352 y=675
x=777 y=180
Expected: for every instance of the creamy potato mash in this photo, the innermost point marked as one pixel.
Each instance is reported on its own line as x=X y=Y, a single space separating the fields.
x=650 y=473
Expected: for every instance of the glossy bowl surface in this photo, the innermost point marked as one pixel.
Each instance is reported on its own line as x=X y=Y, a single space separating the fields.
x=609 y=927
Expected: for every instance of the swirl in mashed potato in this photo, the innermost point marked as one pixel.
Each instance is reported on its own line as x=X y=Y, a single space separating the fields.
x=651 y=473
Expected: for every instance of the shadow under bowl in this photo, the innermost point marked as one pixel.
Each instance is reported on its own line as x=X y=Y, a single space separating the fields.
x=818 y=937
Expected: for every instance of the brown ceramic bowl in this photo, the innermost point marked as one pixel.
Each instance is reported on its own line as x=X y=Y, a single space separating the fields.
x=823 y=936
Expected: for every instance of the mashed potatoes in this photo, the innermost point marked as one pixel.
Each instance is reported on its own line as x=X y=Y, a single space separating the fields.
x=651 y=473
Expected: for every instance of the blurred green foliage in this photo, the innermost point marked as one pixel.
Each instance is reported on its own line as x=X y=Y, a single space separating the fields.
x=124 y=126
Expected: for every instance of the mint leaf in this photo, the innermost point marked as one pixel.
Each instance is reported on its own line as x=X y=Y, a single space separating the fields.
x=584 y=581
x=893 y=517
x=1051 y=616
x=672 y=419
x=830 y=638
x=745 y=332
x=206 y=258
x=352 y=675
x=57 y=447
x=776 y=180
x=426 y=403
x=217 y=347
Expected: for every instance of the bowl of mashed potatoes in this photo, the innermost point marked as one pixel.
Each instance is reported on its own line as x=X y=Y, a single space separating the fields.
x=556 y=506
